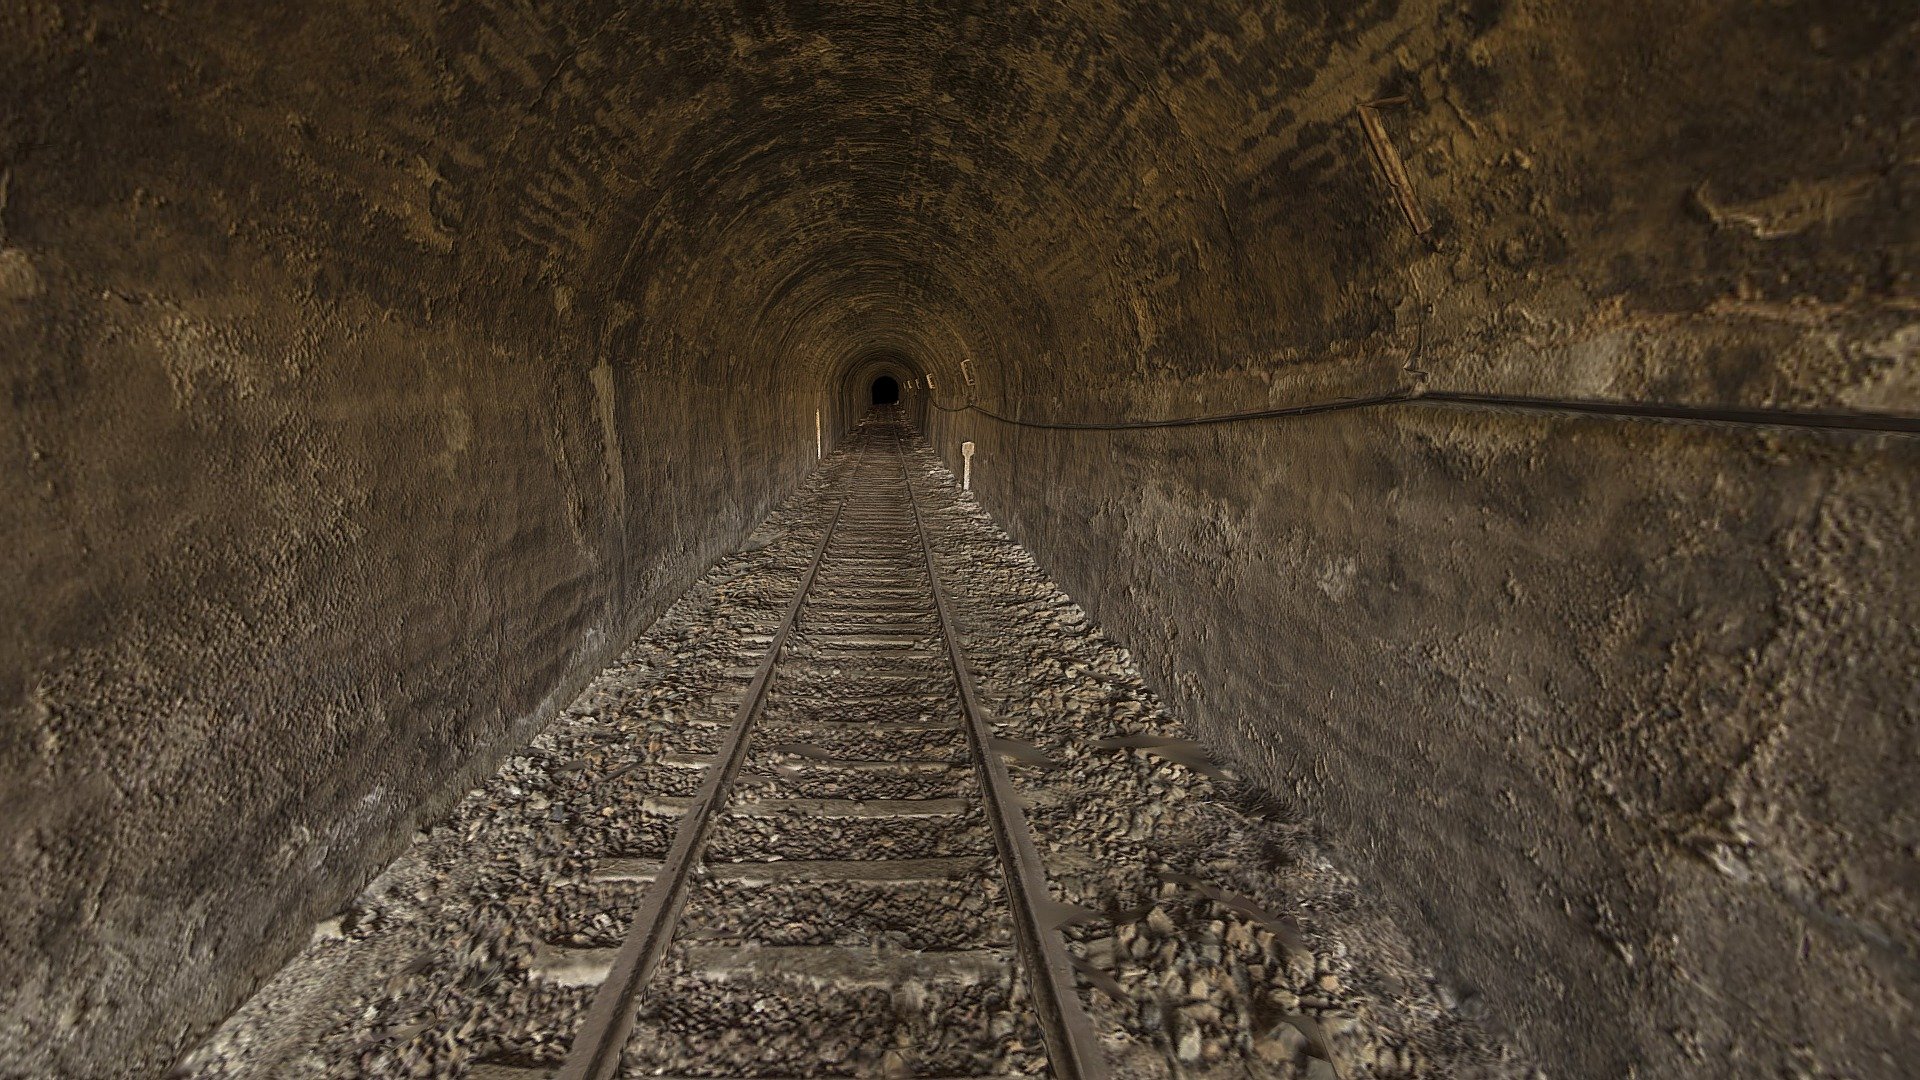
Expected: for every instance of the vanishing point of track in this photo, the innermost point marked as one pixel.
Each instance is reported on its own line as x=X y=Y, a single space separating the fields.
x=873 y=548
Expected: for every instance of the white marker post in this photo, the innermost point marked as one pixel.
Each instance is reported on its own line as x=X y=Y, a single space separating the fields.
x=966 y=469
x=819 y=448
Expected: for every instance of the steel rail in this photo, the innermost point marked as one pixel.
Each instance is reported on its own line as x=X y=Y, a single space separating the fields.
x=1072 y=1048
x=595 y=1053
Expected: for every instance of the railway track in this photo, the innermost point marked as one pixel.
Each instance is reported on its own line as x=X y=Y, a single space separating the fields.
x=859 y=773
x=773 y=838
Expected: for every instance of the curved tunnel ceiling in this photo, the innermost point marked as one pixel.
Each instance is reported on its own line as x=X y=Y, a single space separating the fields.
x=804 y=183
x=379 y=366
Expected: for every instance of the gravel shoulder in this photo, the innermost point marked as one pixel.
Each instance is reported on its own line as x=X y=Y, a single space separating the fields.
x=1214 y=935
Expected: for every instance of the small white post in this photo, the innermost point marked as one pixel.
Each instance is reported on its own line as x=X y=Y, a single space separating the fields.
x=819 y=448
x=966 y=469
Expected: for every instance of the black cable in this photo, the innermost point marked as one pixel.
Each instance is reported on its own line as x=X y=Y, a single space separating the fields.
x=1894 y=423
x=1194 y=421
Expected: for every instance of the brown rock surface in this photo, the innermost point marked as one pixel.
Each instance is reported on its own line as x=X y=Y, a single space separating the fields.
x=374 y=371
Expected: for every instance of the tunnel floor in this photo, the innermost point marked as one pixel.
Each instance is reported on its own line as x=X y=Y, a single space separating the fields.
x=847 y=917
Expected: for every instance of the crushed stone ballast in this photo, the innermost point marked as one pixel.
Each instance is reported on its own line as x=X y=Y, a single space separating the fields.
x=874 y=799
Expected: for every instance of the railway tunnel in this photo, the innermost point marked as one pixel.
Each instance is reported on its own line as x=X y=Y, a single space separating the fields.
x=1486 y=426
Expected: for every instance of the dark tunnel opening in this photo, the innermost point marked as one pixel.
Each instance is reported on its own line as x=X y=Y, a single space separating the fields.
x=1513 y=492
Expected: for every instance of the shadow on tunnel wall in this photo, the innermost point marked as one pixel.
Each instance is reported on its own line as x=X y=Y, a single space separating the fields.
x=372 y=375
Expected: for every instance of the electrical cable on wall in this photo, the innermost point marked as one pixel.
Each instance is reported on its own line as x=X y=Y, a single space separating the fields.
x=1418 y=394
x=1889 y=423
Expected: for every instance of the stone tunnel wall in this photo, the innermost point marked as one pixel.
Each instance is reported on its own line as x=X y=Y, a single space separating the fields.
x=330 y=474
x=1618 y=716
x=373 y=369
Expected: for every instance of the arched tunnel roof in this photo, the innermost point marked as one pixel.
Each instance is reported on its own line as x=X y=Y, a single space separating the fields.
x=376 y=370
x=1037 y=186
